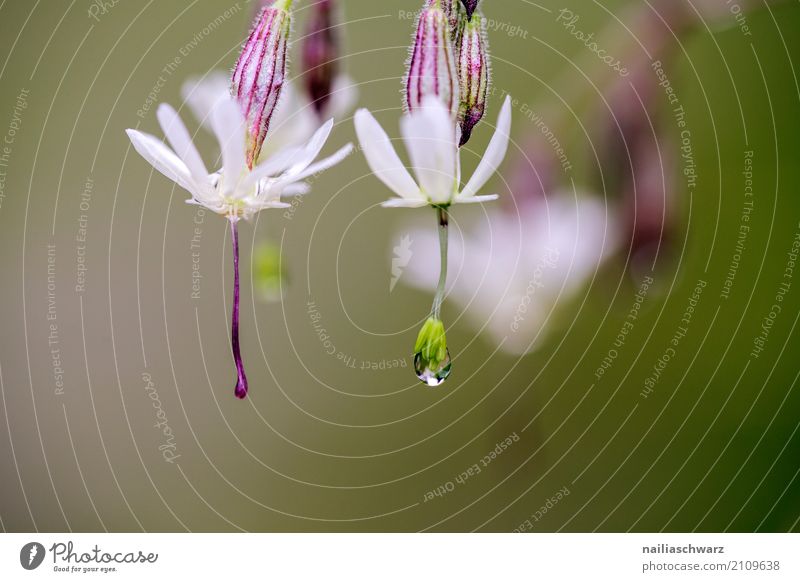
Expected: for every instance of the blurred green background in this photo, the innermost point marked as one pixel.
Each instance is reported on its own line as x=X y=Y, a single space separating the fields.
x=323 y=446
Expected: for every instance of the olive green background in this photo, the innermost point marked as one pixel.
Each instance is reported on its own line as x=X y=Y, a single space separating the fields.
x=320 y=446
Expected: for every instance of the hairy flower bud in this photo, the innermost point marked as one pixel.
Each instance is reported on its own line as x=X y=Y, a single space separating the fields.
x=432 y=67
x=455 y=16
x=319 y=53
x=473 y=75
x=260 y=72
x=470 y=6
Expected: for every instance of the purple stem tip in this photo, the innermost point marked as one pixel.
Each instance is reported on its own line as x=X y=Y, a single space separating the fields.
x=241 y=381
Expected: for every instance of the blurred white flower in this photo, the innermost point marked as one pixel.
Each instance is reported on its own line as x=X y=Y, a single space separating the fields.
x=431 y=139
x=513 y=271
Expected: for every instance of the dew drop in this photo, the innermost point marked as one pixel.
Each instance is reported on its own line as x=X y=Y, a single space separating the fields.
x=432 y=377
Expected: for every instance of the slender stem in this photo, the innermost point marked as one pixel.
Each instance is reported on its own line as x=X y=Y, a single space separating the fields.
x=241 y=381
x=442 y=220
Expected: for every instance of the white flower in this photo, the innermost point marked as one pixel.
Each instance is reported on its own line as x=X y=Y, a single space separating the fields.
x=235 y=191
x=295 y=119
x=431 y=139
x=514 y=271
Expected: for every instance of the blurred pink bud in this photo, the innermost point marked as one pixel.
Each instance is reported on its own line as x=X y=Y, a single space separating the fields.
x=432 y=67
x=260 y=72
x=320 y=52
x=473 y=75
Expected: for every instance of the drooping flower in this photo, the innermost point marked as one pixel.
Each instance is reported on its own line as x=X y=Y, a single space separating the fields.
x=432 y=66
x=516 y=270
x=235 y=190
x=431 y=140
x=473 y=75
x=245 y=184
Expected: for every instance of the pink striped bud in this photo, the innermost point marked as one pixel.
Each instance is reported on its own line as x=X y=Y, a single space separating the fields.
x=319 y=54
x=432 y=67
x=260 y=71
x=473 y=75
x=470 y=6
x=454 y=12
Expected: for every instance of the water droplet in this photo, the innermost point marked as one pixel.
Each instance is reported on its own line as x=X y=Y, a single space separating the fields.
x=432 y=377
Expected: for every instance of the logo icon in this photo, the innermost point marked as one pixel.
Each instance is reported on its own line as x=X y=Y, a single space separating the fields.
x=402 y=256
x=31 y=555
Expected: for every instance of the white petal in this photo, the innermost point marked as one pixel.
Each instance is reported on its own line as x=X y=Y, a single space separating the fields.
x=229 y=127
x=202 y=94
x=430 y=138
x=382 y=158
x=162 y=158
x=296 y=189
x=475 y=199
x=404 y=203
x=180 y=140
x=495 y=152
x=322 y=165
x=312 y=148
x=275 y=165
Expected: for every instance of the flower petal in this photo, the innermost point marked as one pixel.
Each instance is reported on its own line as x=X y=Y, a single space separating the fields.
x=274 y=166
x=228 y=124
x=162 y=158
x=322 y=165
x=180 y=140
x=430 y=137
x=404 y=203
x=494 y=155
x=201 y=94
x=382 y=158
x=312 y=148
x=476 y=199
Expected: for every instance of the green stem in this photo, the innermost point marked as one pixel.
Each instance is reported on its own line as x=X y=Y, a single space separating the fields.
x=442 y=221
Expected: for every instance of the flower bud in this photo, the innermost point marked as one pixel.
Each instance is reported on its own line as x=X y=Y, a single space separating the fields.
x=432 y=67
x=260 y=71
x=319 y=53
x=473 y=75
x=470 y=6
x=454 y=12
x=432 y=360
